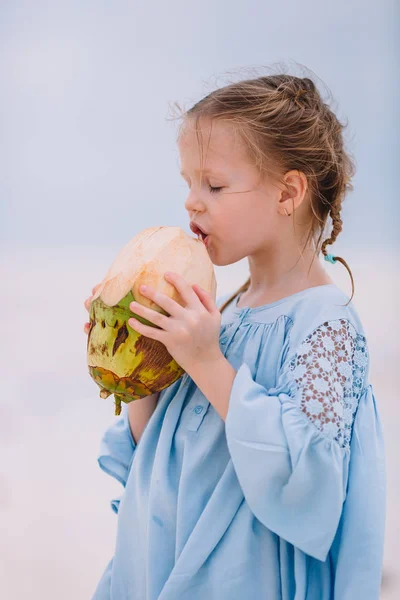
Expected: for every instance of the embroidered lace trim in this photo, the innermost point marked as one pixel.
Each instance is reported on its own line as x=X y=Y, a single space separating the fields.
x=329 y=369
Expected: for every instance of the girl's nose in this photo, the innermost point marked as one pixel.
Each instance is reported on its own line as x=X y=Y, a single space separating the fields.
x=193 y=203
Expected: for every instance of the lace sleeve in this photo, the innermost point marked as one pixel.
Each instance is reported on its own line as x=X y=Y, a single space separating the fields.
x=329 y=369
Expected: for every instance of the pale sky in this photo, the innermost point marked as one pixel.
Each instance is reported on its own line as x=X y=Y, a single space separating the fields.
x=88 y=156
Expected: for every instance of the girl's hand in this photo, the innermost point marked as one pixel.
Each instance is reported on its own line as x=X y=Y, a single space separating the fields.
x=87 y=302
x=190 y=333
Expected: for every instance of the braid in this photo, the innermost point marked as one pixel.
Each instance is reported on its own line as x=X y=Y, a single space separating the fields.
x=243 y=288
x=337 y=228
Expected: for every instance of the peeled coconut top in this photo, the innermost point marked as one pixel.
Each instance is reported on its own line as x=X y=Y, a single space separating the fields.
x=146 y=258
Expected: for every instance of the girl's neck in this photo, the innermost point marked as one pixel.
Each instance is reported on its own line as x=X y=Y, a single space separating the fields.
x=271 y=284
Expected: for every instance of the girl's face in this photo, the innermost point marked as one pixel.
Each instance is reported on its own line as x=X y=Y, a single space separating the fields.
x=242 y=215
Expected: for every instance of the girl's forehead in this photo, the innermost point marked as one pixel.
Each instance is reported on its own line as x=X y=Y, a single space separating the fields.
x=219 y=141
x=211 y=134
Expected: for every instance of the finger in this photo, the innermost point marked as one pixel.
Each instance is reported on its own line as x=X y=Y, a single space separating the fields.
x=86 y=327
x=87 y=303
x=163 y=301
x=89 y=300
x=146 y=330
x=151 y=315
x=206 y=298
x=185 y=290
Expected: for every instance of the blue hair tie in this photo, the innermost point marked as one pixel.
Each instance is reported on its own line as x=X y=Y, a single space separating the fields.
x=330 y=258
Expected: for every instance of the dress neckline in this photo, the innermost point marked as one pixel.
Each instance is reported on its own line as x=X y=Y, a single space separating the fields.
x=239 y=309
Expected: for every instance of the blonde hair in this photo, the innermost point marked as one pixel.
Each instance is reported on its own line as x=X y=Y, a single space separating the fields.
x=286 y=125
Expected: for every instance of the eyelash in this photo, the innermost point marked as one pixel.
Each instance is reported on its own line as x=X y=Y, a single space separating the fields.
x=213 y=190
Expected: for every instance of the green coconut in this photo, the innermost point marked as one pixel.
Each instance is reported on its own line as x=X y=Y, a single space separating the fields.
x=120 y=360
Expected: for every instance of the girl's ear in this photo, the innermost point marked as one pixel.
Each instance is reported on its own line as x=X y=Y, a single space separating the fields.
x=292 y=197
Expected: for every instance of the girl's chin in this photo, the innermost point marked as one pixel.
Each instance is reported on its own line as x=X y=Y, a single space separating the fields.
x=217 y=260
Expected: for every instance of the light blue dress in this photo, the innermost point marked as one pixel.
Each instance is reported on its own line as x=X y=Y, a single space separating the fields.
x=283 y=501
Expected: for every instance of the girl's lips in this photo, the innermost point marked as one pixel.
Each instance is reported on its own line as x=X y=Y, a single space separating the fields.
x=202 y=236
x=197 y=229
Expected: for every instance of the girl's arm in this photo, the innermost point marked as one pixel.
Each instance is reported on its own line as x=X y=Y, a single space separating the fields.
x=215 y=380
x=139 y=413
x=290 y=444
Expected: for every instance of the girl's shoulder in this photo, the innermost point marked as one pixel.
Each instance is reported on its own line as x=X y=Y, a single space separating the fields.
x=321 y=307
x=305 y=312
x=317 y=328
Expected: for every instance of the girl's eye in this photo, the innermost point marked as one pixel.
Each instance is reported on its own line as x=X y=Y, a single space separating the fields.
x=214 y=190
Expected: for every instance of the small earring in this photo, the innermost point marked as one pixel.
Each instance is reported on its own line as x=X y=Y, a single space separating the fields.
x=287 y=214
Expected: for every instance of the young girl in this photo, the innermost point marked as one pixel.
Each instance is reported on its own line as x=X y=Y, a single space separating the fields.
x=260 y=473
